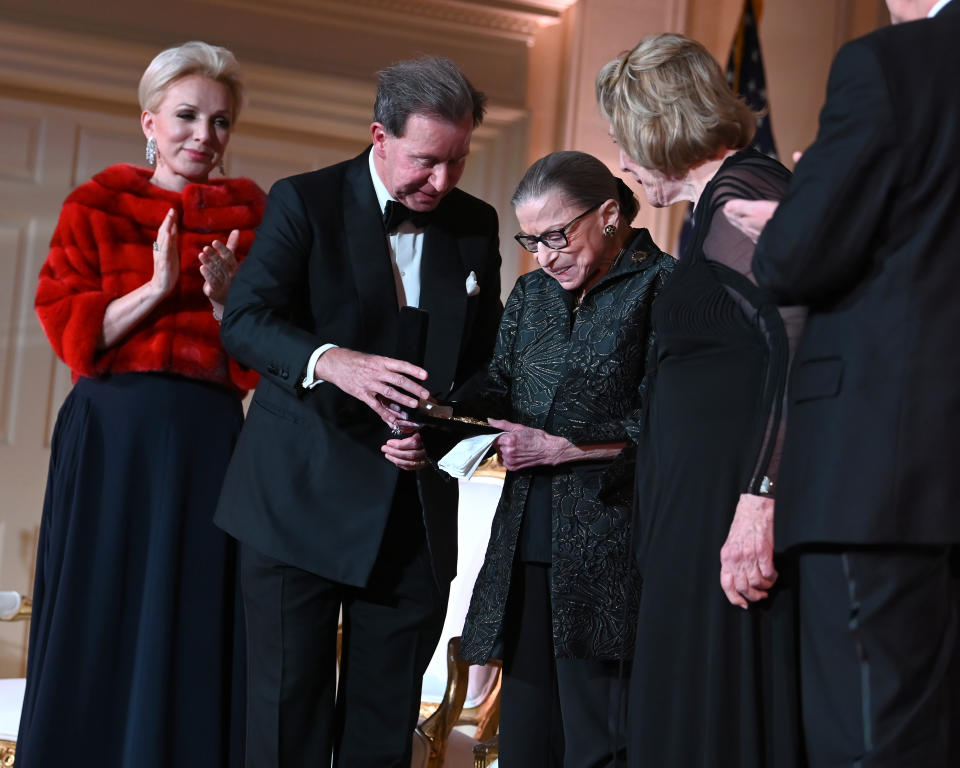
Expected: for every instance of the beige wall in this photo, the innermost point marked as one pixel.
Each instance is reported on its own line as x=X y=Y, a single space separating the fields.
x=68 y=74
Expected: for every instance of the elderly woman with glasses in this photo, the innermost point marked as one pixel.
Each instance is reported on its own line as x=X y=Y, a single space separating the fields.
x=557 y=596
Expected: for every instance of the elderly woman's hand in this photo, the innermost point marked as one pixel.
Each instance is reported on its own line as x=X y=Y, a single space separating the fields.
x=750 y=216
x=746 y=559
x=218 y=265
x=523 y=447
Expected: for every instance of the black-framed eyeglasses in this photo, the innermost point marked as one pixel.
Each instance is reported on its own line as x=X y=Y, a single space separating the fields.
x=555 y=238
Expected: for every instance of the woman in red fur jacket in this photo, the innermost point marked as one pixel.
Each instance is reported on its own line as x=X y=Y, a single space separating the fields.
x=136 y=644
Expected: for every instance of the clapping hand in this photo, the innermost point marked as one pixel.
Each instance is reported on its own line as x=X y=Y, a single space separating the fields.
x=218 y=265
x=166 y=256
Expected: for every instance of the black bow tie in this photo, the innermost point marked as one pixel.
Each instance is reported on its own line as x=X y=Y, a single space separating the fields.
x=395 y=213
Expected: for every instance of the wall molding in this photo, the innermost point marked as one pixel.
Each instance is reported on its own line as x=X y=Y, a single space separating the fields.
x=54 y=64
x=419 y=19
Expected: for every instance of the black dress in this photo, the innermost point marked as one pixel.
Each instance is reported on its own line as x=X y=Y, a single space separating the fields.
x=706 y=689
x=136 y=653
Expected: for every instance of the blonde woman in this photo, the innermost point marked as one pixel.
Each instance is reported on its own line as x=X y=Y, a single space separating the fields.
x=704 y=693
x=136 y=652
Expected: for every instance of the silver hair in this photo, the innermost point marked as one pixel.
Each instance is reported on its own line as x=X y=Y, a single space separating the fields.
x=193 y=58
x=580 y=178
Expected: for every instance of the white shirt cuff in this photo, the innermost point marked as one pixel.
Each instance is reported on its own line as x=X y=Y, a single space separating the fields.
x=309 y=381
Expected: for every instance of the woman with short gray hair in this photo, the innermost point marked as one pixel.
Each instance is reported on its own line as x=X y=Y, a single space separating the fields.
x=705 y=691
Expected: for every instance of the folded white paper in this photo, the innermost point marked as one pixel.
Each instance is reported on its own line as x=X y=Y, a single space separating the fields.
x=462 y=460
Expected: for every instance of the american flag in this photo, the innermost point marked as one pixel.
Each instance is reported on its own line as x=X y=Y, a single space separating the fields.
x=746 y=78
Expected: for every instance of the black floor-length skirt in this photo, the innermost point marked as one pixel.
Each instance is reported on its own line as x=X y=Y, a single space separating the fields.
x=713 y=685
x=136 y=642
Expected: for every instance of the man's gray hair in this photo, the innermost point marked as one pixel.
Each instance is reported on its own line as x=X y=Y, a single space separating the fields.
x=431 y=86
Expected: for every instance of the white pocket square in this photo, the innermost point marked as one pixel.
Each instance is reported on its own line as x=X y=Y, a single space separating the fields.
x=473 y=287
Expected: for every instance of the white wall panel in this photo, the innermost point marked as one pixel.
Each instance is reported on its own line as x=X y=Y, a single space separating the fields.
x=12 y=243
x=19 y=138
x=101 y=144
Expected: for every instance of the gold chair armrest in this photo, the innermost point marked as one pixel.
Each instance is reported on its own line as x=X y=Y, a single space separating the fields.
x=8 y=753
x=436 y=728
x=485 y=716
x=486 y=752
x=20 y=608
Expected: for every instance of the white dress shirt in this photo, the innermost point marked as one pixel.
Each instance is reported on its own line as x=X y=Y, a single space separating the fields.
x=406 y=251
x=937 y=7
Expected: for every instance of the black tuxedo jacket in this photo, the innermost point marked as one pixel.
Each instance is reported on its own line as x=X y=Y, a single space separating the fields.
x=307 y=483
x=869 y=237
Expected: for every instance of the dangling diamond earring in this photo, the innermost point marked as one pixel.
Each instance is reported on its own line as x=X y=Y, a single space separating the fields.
x=151 y=153
x=223 y=171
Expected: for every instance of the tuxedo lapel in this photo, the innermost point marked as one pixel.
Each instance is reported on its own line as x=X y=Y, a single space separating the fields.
x=443 y=294
x=369 y=257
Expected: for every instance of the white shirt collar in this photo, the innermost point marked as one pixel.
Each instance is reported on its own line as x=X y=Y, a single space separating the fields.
x=937 y=7
x=378 y=186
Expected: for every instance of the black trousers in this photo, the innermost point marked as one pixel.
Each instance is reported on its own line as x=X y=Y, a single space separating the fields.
x=297 y=715
x=555 y=712
x=880 y=656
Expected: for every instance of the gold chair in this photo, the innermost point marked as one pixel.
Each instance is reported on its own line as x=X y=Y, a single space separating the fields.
x=436 y=735
x=434 y=731
x=485 y=753
x=13 y=607
x=479 y=711
x=485 y=714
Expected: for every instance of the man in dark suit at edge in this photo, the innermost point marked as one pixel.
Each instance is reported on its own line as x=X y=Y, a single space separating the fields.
x=331 y=508
x=869 y=495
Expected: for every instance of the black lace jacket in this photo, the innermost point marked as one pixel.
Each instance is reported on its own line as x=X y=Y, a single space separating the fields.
x=577 y=373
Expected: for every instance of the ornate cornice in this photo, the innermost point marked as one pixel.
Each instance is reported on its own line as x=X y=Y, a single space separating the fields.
x=77 y=67
x=418 y=18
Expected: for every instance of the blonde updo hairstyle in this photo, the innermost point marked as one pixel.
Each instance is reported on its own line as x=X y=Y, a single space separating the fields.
x=670 y=106
x=193 y=58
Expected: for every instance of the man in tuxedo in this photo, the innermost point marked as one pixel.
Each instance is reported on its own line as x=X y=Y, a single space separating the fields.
x=334 y=510
x=868 y=236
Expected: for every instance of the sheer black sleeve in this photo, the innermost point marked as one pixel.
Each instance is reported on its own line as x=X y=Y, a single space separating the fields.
x=755 y=177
